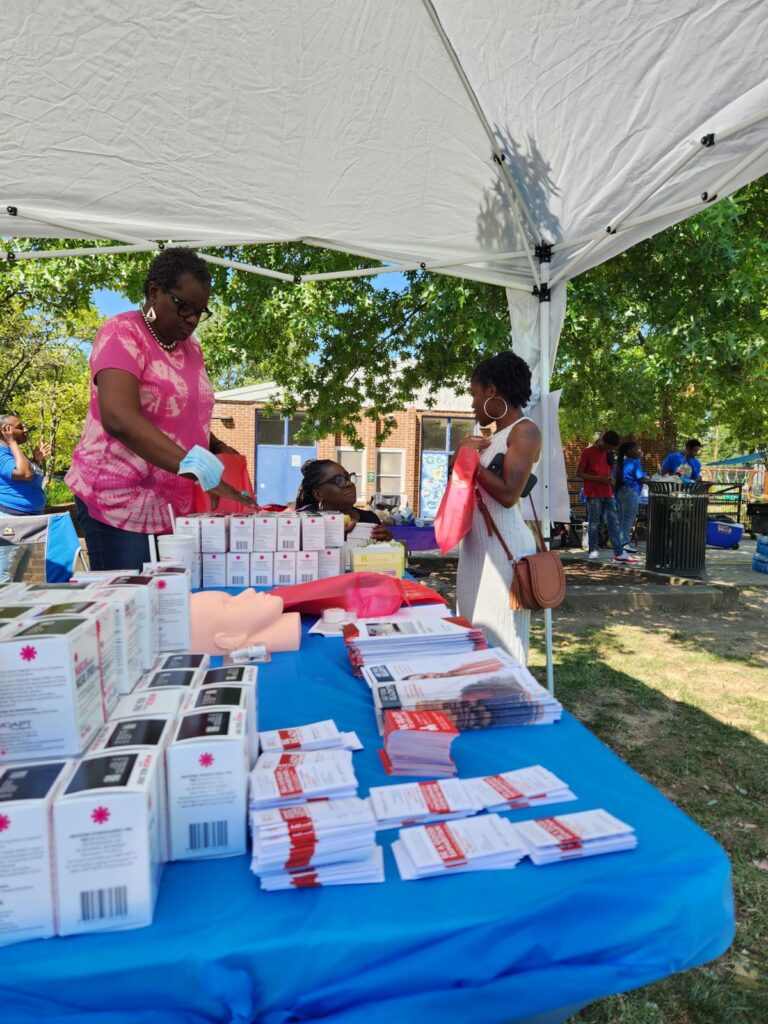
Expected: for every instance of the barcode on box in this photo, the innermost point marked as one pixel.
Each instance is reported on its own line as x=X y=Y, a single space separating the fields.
x=306 y=577
x=241 y=545
x=284 y=577
x=98 y=904
x=238 y=581
x=260 y=581
x=207 y=835
x=288 y=544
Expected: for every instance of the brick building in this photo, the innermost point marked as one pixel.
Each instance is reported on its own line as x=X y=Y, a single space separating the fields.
x=412 y=462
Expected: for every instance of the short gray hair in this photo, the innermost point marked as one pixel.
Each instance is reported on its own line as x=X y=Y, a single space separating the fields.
x=5 y=416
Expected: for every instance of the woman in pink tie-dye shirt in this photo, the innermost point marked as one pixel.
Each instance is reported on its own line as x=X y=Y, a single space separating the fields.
x=151 y=402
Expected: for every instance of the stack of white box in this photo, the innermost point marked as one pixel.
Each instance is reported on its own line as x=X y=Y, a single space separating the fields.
x=265 y=549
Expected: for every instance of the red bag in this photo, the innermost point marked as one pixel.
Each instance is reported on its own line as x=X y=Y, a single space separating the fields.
x=236 y=474
x=454 y=517
x=367 y=594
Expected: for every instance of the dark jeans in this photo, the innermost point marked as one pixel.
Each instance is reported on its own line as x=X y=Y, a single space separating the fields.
x=110 y=547
x=596 y=508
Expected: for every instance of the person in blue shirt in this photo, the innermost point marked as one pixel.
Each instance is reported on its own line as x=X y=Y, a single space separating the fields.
x=629 y=478
x=21 y=479
x=684 y=464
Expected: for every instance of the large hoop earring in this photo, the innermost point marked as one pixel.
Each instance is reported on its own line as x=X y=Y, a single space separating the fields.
x=485 y=407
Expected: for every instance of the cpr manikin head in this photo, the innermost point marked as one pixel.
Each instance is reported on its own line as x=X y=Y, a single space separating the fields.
x=222 y=622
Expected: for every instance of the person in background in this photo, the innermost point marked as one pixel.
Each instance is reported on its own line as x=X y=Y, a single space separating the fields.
x=147 y=436
x=21 y=478
x=684 y=464
x=327 y=487
x=629 y=479
x=594 y=470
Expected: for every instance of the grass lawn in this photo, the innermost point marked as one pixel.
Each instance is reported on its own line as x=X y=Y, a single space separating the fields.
x=684 y=700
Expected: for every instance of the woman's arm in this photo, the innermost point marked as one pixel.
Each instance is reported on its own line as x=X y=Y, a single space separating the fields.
x=23 y=470
x=522 y=451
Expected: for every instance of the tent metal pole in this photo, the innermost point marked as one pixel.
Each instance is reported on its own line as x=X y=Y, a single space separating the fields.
x=17 y=255
x=711 y=194
x=55 y=222
x=518 y=203
x=546 y=370
x=248 y=268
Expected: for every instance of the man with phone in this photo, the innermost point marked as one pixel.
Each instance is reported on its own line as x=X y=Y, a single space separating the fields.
x=595 y=470
x=21 y=478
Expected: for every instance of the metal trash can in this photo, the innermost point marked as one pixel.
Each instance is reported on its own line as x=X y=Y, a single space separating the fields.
x=677 y=527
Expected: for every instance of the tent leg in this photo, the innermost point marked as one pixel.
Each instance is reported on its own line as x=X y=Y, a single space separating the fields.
x=546 y=370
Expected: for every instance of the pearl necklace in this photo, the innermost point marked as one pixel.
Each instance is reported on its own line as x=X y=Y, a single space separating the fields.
x=167 y=348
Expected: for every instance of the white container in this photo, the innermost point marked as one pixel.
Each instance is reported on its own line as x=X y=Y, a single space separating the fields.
x=214 y=570
x=312 y=532
x=207 y=784
x=265 y=532
x=158 y=701
x=146 y=589
x=238 y=570
x=231 y=696
x=196 y=581
x=173 y=585
x=334 y=529
x=306 y=566
x=26 y=849
x=174 y=679
x=262 y=569
x=214 y=534
x=197 y=663
x=188 y=526
x=50 y=688
x=175 y=548
x=285 y=568
x=330 y=563
x=240 y=675
x=241 y=534
x=288 y=532
x=107 y=832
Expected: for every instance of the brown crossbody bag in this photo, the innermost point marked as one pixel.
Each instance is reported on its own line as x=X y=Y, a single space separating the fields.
x=538 y=581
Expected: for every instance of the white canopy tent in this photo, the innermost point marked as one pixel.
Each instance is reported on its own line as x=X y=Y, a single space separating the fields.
x=508 y=141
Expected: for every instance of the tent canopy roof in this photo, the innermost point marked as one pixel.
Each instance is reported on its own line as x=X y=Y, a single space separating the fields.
x=455 y=133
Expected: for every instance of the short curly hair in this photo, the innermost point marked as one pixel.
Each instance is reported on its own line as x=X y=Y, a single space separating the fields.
x=510 y=375
x=171 y=264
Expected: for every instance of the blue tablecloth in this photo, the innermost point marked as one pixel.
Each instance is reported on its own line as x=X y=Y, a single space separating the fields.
x=487 y=947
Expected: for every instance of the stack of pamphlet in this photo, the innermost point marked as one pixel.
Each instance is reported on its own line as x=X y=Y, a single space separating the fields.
x=418 y=803
x=372 y=642
x=479 y=690
x=570 y=836
x=326 y=842
x=418 y=743
x=316 y=736
x=282 y=780
x=524 y=787
x=474 y=844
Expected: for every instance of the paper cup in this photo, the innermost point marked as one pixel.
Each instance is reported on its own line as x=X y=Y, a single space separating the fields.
x=173 y=548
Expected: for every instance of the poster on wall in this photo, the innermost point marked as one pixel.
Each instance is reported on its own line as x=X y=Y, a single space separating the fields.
x=434 y=479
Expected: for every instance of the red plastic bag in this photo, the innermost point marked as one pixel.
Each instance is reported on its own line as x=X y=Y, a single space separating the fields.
x=367 y=594
x=454 y=517
x=236 y=474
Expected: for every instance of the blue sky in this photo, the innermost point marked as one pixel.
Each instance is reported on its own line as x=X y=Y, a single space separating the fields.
x=110 y=303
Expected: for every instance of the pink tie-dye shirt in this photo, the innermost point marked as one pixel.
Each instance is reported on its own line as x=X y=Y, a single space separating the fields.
x=117 y=486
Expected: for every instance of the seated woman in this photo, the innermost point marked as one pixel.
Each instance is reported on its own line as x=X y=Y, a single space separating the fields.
x=327 y=487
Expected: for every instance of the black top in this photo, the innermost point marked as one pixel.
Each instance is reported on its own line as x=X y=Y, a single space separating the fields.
x=365 y=515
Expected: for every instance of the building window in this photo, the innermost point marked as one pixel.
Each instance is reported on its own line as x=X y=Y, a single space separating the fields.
x=389 y=472
x=434 y=433
x=271 y=429
x=459 y=429
x=295 y=423
x=354 y=462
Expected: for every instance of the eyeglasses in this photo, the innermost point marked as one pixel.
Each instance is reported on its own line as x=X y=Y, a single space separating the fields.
x=185 y=310
x=340 y=479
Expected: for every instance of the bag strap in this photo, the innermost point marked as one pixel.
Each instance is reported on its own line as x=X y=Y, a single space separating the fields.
x=493 y=528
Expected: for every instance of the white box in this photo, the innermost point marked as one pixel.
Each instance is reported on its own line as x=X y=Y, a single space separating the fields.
x=98 y=577
x=108 y=839
x=240 y=675
x=214 y=570
x=330 y=563
x=26 y=849
x=312 y=532
x=11 y=591
x=196 y=581
x=147 y=591
x=144 y=731
x=214 y=534
x=241 y=534
x=262 y=569
x=306 y=566
x=188 y=526
x=288 y=532
x=175 y=679
x=230 y=695
x=265 y=532
x=334 y=529
x=19 y=610
x=130 y=643
x=50 y=688
x=173 y=586
x=197 y=663
x=207 y=784
x=285 y=568
x=238 y=570
x=158 y=701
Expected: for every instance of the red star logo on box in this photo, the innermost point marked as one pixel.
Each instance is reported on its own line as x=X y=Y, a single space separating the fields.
x=100 y=815
x=5 y=822
x=28 y=653
x=206 y=760
x=161 y=584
